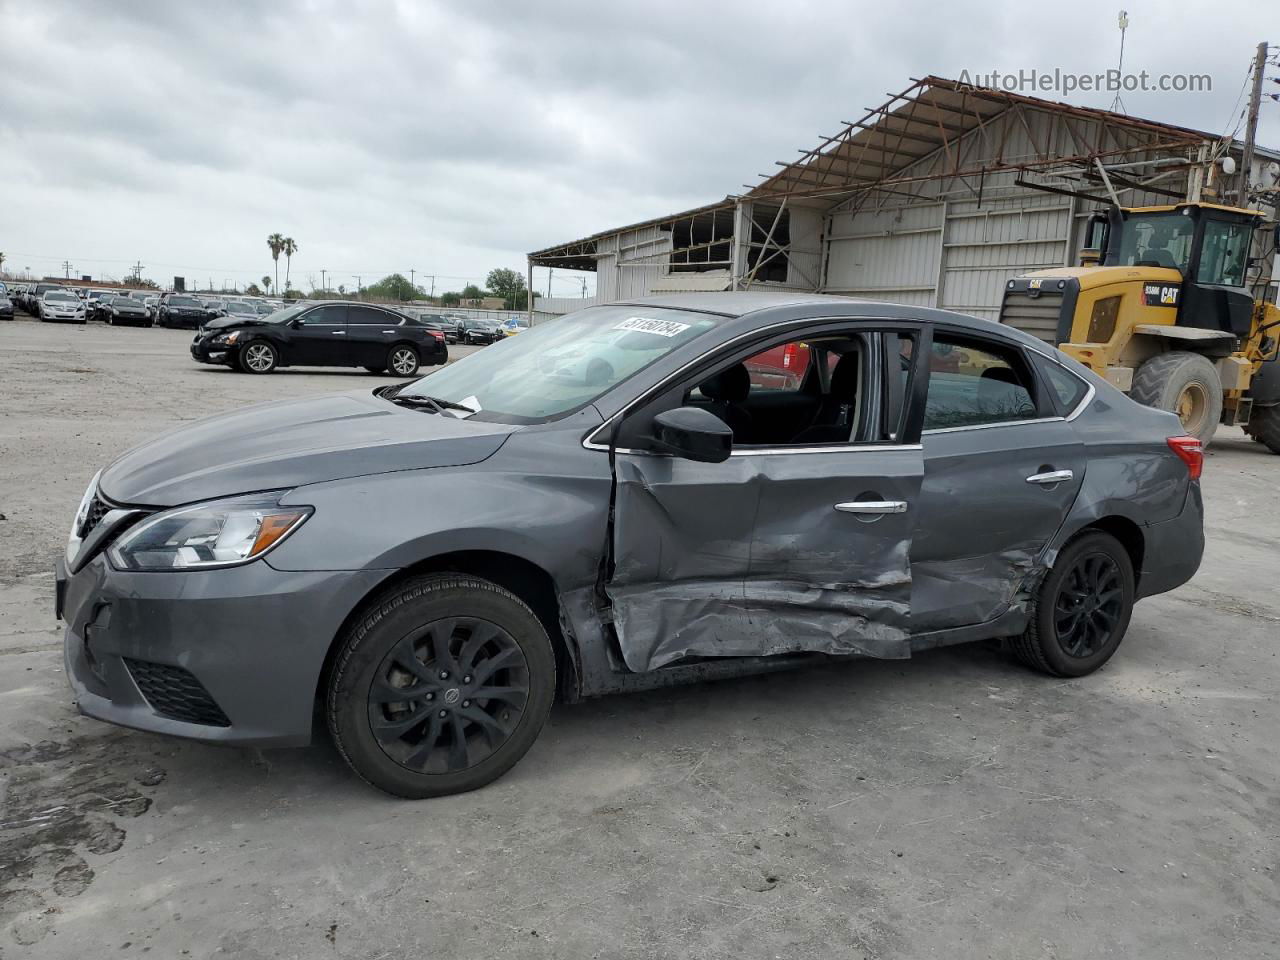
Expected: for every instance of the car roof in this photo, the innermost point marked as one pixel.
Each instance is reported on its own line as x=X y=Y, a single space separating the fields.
x=741 y=304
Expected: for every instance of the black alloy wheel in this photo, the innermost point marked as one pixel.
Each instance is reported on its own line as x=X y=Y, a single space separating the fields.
x=440 y=685
x=448 y=695
x=1089 y=605
x=1080 y=609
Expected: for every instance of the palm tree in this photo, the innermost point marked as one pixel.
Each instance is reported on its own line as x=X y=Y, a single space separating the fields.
x=266 y=284
x=288 y=247
x=276 y=243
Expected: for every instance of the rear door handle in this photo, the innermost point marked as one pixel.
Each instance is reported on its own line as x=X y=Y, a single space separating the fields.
x=1050 y=478
x=873 y=506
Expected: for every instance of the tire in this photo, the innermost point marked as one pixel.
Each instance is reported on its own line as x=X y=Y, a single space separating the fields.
x=410 y=638
x=1183 y=383
x=403 y=360
x=1264 y=426
x=1051 y=643
x=258 y=357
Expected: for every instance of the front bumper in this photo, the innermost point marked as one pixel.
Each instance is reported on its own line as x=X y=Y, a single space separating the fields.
x=250 y=640
x=203 y=351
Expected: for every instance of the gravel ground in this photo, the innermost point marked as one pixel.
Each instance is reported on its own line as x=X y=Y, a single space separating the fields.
x=950 y=806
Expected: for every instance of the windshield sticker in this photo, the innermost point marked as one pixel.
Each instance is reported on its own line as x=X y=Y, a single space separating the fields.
x=473 y=402
x=662 y=328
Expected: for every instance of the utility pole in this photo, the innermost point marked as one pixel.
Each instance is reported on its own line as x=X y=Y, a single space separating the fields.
x=358 y=296
x=137 y=271
x=66 y=269
x=1251 y=126
x=411 y=286
x=322 y=283
x=433 y=286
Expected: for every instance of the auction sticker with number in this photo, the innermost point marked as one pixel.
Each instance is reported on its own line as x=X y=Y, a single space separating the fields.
x=662 y=328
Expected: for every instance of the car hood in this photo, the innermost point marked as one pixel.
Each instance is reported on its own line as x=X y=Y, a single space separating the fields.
x=278 y=445
x=224 y=323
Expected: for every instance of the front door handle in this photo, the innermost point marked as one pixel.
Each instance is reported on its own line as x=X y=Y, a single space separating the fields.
x=1050 y=478
x=339 y=333
x=873 y=506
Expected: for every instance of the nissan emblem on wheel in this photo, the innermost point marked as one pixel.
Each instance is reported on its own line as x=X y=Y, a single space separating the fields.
x=674 y=489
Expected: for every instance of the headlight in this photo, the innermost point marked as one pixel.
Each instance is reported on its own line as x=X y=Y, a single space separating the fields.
x=227 y=339
x=221 y=533
x=82 y=511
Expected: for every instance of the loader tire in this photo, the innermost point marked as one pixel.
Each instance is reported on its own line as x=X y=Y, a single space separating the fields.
x=1264 y=426
x=1183 y=383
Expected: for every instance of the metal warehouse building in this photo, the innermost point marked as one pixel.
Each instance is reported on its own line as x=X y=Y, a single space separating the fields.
x=937 y=198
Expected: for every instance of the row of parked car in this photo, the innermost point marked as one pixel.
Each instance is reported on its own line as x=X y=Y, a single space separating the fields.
x=64 y=303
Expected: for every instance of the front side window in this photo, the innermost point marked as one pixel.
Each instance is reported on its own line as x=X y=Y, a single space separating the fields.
x=973 y=383
x=562 y=365
x=327 y=316
x=1224 y=253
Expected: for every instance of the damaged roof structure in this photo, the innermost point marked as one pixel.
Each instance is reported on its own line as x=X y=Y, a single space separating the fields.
x=937 y=197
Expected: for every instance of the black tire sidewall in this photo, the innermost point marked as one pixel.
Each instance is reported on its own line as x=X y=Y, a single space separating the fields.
x=1058 y=661
x=386 y=620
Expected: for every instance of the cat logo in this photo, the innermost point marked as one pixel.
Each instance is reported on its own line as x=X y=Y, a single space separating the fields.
x=1034 y=284
x=1160 y=294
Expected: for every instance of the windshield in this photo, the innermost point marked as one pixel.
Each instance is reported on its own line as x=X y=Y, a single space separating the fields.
x=287 y=314
x=61 y=297
x=1155 y=240
x=562 y=365
x=233 y=307
x=182 y=302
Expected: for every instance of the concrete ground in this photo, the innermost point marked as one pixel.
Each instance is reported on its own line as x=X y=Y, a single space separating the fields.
x=954 y=805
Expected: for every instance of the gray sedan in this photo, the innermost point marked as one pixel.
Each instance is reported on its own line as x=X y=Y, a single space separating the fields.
x=627 y=497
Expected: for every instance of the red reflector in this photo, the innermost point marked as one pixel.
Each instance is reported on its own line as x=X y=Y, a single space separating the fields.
x=1191 y=452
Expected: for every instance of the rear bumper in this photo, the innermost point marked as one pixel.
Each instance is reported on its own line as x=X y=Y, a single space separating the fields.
x=246 y=644
x=1173 y=549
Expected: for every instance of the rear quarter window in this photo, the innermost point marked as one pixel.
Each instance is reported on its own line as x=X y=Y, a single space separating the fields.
x=1066 y=387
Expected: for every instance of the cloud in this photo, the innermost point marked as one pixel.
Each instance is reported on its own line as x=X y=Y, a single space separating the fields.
x=452 y=138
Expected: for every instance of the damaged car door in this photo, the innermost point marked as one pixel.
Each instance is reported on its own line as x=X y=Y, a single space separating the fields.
x=782 y=547
x=1002 y=469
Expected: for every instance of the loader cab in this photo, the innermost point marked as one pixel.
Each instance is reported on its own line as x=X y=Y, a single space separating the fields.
x=1208 y=244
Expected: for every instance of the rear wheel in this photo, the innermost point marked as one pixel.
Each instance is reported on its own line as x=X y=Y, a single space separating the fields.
x=1264 y=426
x=1183 y=383
x=1081 y=610
x=403 y=360
x=258 y=356
x=441 y=685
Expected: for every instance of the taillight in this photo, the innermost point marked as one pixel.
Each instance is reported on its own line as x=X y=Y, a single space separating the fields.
x=437 y=334
x=788 y=354
x=1191 y=452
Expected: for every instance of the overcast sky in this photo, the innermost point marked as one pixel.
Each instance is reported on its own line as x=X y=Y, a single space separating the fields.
x=452 y=138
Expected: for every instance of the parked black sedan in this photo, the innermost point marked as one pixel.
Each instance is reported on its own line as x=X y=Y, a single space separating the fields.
x=322 y=335
x=478 y=332
x=125 y=311
x=179 y=311
x=6 y=307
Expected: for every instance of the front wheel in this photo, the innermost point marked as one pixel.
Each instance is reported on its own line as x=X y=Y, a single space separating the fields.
x=403 y=361
x=1183 y=383
x=1081 y=609
x=440 y=686
x=258 y=356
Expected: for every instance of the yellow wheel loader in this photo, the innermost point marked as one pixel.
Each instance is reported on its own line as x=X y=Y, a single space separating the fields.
x=1161 y=308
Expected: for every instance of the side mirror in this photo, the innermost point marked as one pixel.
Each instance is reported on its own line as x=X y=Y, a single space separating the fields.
x=692 y=434
x=298 y=322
